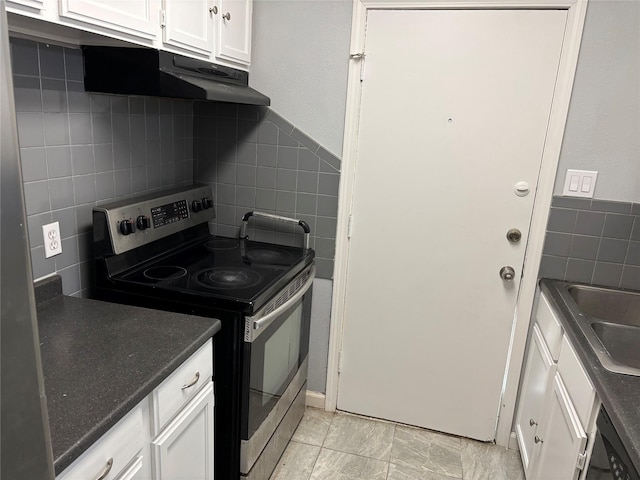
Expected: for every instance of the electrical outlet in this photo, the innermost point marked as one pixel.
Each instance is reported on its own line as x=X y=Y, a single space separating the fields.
x=52 y=240
x=580 y=183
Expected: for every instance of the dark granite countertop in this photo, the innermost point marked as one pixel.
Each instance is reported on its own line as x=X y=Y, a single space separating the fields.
x=619 y=393
x=101 y=359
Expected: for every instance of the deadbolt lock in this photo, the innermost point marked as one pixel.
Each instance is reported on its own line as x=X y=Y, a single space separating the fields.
x=514 y=235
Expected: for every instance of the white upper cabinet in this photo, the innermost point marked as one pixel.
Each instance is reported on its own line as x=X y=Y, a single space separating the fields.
x=214 y=30
x=188 y=25
x=36 y=5
x=234 y=31
x=137 y=18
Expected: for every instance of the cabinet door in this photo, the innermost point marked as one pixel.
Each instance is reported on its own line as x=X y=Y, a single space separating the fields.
x=184 y=449
x=188 y=25
x=15 y=5
x=234 y=31
x=137 y=18
x=538 y=374
x=135 y=471
x=562 y=439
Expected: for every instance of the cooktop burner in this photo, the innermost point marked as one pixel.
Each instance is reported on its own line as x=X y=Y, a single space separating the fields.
x=228 y=277
x=221 y=243
x=271 y=255
x=164 y=273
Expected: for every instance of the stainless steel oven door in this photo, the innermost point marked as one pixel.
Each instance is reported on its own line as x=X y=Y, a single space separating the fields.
x=276 y=346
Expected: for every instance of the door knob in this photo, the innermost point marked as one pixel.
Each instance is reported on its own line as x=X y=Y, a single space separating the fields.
x=514 y=235
x=507 y=273
x=227 y=16
x=537 y=439
x=213 y=10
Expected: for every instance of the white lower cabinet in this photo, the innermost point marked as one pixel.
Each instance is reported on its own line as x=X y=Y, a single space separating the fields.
x=112 y=457
x=539 y=371
x=557 y=405
x=179 y=412
x=184 y=449
x=136 y=471
x=562 y=439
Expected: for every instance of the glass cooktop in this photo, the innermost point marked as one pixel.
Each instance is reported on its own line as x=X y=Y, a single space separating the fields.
x=220 y=267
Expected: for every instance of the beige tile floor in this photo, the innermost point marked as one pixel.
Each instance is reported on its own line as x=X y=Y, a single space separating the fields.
x=341 y=446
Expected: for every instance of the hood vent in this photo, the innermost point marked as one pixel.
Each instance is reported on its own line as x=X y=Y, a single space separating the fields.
x=145 y=71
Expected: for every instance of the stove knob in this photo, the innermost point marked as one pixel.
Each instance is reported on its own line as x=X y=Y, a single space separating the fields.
x=126 y=227
x=206 y=203
x=196 y=206
x=143 y=222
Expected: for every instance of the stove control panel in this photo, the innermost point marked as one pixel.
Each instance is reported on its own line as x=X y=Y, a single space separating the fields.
x=169 y=213
x=140 y=220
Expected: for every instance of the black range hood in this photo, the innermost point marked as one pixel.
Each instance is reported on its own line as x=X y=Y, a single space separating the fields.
x=145 y=71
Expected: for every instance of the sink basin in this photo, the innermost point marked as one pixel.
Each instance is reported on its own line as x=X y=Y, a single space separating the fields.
x=614 y=306
x=622 y=342
x=610 y=320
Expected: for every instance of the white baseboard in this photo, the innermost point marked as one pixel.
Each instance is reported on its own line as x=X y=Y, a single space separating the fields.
x=315 y=399
x=513 y=441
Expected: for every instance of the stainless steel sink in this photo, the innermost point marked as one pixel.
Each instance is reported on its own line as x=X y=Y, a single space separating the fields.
x=615 y=306
x=610 y=320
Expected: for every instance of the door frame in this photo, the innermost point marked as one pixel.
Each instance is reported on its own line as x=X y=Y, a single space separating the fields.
x=576 y=12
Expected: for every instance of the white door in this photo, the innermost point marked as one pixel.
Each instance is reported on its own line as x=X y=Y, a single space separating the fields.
x=454 y=114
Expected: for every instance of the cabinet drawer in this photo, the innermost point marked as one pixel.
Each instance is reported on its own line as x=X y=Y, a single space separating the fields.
x=181 y=386
x=579 y=387
x=119 y=445
x=549 y=326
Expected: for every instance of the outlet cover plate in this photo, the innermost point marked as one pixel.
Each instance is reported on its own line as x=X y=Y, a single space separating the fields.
x=52 y=239
x=579 y=183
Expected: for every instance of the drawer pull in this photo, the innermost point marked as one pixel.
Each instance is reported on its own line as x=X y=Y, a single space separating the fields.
x=537 y=439
x=192 y=382
x=532 y=422
x=105 y=471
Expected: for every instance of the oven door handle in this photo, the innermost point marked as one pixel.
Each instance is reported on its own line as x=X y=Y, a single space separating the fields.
x=270 y=317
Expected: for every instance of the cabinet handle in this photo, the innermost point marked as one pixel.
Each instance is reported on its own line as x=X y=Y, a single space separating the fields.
x=213 y=10
x=192 y=382
x=227 y=16
x=537 y=439
x=105 y=471
x=532 y=422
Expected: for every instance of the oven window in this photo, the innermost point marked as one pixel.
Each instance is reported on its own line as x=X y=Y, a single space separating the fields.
x=281 y=352
x=275 y=357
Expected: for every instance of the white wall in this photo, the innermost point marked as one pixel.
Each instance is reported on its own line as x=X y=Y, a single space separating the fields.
x=300 y=56
x=603 y=127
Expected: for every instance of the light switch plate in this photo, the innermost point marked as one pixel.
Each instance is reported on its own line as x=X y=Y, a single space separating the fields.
x=52 y=240
x=580 y=183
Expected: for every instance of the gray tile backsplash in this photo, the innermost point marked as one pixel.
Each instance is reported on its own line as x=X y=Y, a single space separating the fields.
x=593 y=241
x=256 y=160
x=79 y=148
